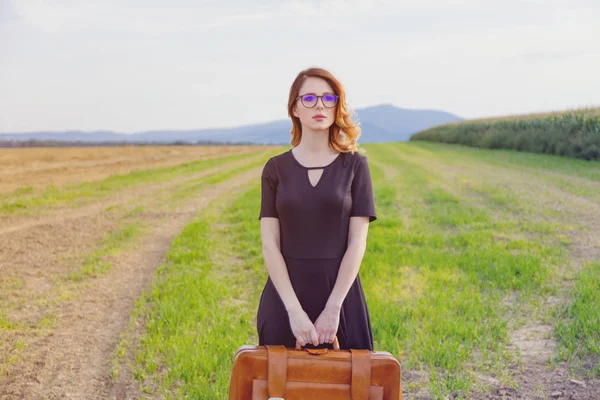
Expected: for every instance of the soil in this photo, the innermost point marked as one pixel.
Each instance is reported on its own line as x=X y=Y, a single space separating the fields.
x=70 y=358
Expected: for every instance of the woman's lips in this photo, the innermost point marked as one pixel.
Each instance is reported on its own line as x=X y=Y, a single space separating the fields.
x=319 y=116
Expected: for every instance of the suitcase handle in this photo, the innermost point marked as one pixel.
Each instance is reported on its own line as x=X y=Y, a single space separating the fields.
x=277 y=372
x=336 y=346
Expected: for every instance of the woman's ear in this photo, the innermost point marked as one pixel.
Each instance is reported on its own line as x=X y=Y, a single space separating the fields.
x=295 y=111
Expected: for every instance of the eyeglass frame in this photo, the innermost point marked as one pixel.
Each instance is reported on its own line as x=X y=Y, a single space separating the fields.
x=337 y=99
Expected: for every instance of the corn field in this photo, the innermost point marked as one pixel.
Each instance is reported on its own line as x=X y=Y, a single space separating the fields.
x=574 y=133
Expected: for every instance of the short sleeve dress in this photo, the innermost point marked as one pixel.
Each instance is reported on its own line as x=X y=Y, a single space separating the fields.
x=314 y=223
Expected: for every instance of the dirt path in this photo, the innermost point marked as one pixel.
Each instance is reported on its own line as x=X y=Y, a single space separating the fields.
x=34 y=252
x=70 y=361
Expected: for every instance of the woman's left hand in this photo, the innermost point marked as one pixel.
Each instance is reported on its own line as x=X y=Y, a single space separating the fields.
x=327 y=324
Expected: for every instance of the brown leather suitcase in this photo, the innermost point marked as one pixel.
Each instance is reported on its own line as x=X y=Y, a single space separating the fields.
x=277 y=372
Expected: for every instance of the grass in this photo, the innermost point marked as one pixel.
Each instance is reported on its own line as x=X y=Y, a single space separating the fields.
x=96 y=263
x=446 y=256
x=568 y=174
x=174 y=197
x=201 y=307
x=579 y=328
x=25 y=202
x=191 y=188
x=436 y=274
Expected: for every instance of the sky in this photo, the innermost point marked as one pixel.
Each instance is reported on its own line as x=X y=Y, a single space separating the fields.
x=138 y=65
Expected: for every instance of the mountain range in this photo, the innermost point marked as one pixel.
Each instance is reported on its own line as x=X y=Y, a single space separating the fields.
x=381 y=123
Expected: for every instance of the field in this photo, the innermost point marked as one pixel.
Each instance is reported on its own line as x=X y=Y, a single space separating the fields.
x=135 y=272
x=573 y=133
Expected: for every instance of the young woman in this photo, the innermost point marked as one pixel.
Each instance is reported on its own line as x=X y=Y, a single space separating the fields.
x=316 y=205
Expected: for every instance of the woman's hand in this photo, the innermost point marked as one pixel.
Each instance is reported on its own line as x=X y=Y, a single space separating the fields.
x=302 y=327
x=327 y=324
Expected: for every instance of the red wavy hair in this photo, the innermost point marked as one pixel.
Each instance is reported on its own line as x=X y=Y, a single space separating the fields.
x=343 y=133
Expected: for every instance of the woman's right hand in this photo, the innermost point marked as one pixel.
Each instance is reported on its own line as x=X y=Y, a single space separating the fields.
x=302 y=327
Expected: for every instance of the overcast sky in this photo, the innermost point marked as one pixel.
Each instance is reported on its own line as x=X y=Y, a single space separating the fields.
x=134 y=65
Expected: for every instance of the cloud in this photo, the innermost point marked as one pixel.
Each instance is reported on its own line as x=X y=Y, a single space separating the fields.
x=7 y=12
x=155 y=16
x=377 y=7
x=136 y=17
x=229 y=20
x=329 y=8
x=554 y=55
x=41 y=15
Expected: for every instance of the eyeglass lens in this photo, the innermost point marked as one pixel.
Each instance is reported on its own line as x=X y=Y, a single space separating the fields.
x=310 y=100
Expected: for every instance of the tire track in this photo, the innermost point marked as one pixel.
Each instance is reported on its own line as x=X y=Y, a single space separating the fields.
x=72 y=362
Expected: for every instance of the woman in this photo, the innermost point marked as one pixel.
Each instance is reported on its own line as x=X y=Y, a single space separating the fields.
x=316 y=206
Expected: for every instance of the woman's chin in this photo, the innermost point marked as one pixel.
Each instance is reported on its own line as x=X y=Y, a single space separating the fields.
x=320 y=126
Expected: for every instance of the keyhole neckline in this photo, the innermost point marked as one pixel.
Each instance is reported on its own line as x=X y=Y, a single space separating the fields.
x=322 y=167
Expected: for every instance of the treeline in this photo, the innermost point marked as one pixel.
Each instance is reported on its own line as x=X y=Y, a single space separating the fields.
x=80 y=143
x=574 y=133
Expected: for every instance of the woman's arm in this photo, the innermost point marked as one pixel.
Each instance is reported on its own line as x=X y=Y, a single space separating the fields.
x=350 y=265
x=301 y=325
x=271 y=249
x=361 y=214
x=328 y=322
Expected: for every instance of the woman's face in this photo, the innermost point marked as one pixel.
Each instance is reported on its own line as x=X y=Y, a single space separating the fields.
x=317 y=117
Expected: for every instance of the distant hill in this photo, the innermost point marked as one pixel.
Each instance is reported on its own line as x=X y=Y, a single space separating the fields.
x=382 y=123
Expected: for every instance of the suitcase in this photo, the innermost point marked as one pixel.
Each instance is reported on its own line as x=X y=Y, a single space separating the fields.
x=277 y=373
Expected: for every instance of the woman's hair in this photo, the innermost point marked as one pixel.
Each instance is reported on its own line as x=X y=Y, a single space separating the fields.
x=343 y=133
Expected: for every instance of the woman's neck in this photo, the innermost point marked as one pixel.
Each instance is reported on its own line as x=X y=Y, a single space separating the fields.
x=315 y=142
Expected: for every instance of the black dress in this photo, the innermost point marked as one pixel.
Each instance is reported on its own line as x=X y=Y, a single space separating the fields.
x=314 y=224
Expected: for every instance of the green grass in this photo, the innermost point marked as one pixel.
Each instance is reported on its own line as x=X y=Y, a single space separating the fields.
x=202 y=304
x=436 y=273
x=439 y=267
x=96 y=263
x=193 y=187
x=5 y=323
x=568 y=174
x=579 y=329
x=26 y=201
